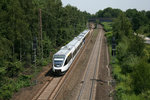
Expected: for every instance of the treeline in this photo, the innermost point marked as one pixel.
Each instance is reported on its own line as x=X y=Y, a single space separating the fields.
x=108 y=13
x=30 y=32
x=140 y=20
x=131 y=64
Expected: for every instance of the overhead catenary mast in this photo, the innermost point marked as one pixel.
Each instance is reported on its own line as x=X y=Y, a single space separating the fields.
x=40 y=33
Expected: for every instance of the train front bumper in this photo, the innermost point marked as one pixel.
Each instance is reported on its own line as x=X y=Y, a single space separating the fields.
x=58 y=71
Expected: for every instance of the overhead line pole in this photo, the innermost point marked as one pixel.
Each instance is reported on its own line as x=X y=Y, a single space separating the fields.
x=41 y=38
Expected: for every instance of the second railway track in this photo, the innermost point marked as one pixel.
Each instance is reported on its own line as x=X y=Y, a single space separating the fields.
x=88 y=86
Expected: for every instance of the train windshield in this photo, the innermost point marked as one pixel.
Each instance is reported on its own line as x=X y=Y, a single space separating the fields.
x=58 y=63
x=59 y=56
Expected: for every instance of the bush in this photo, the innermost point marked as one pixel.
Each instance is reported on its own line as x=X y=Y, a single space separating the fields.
x=131 y=97
x=128 y=63
x=11 y=85
x=146 y=95
x=141 y=77
x=14 y=69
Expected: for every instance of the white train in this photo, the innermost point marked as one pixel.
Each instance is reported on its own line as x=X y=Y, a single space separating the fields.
x=63 y=59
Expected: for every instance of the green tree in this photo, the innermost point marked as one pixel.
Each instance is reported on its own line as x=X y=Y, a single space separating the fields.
x=137 y=46
x=122 y=27
x=108 y=13
x=141 y=77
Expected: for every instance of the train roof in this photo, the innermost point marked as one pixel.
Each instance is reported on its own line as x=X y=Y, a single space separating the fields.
x=84 y=33
x=65 y=50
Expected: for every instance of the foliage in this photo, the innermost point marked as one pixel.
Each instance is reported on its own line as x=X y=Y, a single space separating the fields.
x=131 y=64
x=107 y=26
x=108 y=13
x=22 y=43
x=12 y=86
x=122 y=27
x=141 y=77
x=122 y=48
x=139 y=20
x=13 y=69
x=137 y=46
x=146 y=95
x=130 y=50
x=131 y=97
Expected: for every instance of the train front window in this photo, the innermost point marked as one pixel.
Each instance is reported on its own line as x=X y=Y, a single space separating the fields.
x=59 y=56
x=58 y=63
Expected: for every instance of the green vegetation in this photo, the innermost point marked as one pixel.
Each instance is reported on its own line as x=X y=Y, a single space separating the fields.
x=139 y=19
x=131 y=65
x=107 y=26
x=21 y=38
x=28 y=40
x=108 y=13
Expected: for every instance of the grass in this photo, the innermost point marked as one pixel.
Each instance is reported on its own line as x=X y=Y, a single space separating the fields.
x=95 y=32
x=107 y=26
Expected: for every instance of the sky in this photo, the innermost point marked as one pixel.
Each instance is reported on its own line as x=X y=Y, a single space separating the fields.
x=92 y=6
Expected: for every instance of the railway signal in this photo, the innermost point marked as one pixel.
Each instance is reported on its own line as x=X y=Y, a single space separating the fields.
x=113 y=46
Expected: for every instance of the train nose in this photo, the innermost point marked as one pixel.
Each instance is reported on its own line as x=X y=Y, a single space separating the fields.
x=58 y=65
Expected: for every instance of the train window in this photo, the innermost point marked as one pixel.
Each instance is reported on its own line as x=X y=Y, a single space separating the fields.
x=66 y=62
x=79 y=46
x=59 y=56
x=77 y=49
x=68 y=59
x=84 y=40
x=58 y=63
x=74 y=53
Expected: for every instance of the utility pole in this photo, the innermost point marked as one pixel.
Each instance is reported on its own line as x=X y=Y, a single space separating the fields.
x=41 y=38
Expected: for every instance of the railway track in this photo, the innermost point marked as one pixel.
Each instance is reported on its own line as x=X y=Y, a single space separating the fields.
x=42 y=89
x=52 y=87
x=48 y=89
x=88 y=86
x=104 y=88
x=75 y=63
